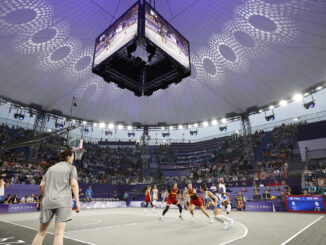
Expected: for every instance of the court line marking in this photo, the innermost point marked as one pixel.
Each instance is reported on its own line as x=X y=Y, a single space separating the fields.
x=107 y=226
x=302 y=230
x=94 y=223
x=238 y=238
x=31 y=228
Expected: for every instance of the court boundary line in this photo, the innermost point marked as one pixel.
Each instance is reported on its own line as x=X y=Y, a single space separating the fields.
x=107 y=226
x=238 y=238
x=302 y=230
x=31 y=228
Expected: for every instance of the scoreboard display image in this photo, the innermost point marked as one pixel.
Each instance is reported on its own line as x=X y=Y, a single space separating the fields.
x=305 y=204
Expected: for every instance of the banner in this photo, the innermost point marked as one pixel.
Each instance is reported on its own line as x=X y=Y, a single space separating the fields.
x=141 y=204
x=18 y=208
x=3 y=208
x=103 y=204
x=259 y=206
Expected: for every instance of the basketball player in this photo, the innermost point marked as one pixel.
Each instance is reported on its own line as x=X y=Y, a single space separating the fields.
x=214 y=203
x=195 y=201
x=148 y=198
x=56 y=187
x=225 y=200
x=173 y=195
x=155 y=194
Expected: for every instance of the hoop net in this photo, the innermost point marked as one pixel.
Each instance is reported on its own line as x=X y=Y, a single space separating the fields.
x=78 y=153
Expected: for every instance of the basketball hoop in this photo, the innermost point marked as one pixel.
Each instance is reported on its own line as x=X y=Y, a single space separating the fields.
x=78 y=153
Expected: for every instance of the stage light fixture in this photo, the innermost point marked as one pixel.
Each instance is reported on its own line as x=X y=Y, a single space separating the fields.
x=21 y=117
x=16 y=115
x=165 y=134
x=270 y=117
x=223 y=120
x=86 y=130
x=309 y=105
x=108 y=133
x=111 y=126
x=60 y=126
x=193 y=132
x=319 y=88
x=131 y=134
x=223 y=129
x=120 y=126
x=205 y=123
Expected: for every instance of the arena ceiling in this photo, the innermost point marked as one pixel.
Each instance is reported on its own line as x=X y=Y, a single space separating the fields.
x=244 y=53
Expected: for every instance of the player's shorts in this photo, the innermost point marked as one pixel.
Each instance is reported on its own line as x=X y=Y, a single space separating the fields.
x=147 y=199
x=61 y=215
x=197 y=202
x=224 y=199
x=172 y=201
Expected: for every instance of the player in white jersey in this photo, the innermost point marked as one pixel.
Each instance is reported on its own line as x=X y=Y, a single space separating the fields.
x=213 y=202
x=225 y=200
x=155 y=195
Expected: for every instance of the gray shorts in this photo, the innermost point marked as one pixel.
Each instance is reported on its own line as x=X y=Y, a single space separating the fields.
x=61 y=215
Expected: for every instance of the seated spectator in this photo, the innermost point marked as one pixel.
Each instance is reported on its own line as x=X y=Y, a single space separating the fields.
x=15 y=199
x=24 y=199
x=261 y=185
x=257 y=196
x=30 y=199
x=213 y=188
x=268 y=189
x=277 y=188
x=243 y=190
x=8 y=200
x=312 y=189
x=320 y=181
x=267 y=195
x=115 y=194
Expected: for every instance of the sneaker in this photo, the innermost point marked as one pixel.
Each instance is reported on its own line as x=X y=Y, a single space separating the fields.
x=180 y=217
x=231 y=223
x=154 y=210
x=160 y=218
x=227 y=225
x=211 y=220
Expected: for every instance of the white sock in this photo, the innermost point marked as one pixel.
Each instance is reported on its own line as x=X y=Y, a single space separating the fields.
x=228 y=208
x=220 y=218
x=228 y=219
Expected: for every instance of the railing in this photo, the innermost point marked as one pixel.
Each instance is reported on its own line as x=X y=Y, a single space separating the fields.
x=266 y=127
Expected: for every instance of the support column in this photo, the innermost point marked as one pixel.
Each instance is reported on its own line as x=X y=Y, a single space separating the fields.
x=39 y=127
x=247 y=139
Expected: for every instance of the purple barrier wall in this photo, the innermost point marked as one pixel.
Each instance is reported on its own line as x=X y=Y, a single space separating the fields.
x=18 y=208
x=22 y=190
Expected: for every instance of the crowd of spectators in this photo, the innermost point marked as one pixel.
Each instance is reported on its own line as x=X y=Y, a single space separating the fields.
x=281 y=143
x=315 y=179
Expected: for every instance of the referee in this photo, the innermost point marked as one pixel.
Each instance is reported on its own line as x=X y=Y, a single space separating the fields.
x=55 y=188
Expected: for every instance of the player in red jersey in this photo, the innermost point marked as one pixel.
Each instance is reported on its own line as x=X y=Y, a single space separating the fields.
x=148 y=198
x=173 y=195
x=195 y=201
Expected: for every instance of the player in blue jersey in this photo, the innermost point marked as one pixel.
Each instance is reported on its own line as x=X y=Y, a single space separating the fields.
x=213 y=202
x=224 y=197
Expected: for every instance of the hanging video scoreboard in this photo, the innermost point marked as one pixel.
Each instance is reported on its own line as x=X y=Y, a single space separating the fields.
x=305 y=204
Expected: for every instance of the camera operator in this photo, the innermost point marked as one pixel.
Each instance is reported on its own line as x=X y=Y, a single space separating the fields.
x=3 y=185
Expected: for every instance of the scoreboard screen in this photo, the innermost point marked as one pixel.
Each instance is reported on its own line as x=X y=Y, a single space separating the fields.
x=305 y=204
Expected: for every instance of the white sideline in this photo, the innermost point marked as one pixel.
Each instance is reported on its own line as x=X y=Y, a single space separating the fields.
x=238 y=238
x=31 y=228
x=102 y=227
x=302 y=230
